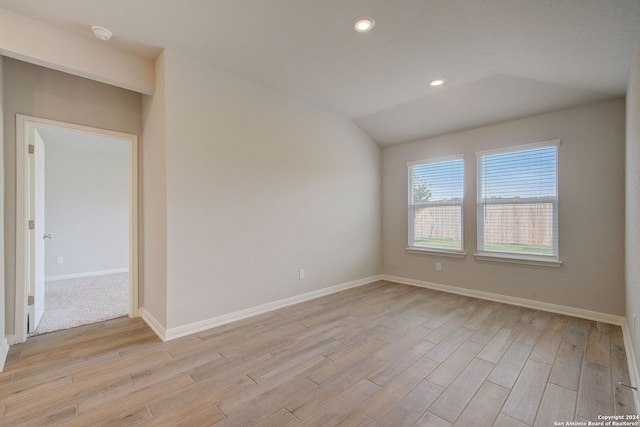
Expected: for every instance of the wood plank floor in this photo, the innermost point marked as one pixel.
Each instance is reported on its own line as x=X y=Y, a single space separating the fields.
x=381 y=354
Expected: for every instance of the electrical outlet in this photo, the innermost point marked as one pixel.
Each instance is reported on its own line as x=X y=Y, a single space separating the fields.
x=301 y=274
x=59 y=260
x=438 y=266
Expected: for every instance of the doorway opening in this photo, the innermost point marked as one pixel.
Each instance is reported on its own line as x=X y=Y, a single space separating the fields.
x=76 y=222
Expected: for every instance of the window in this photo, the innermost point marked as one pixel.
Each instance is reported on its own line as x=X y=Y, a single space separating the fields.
x=518 y=201
x=435 y=204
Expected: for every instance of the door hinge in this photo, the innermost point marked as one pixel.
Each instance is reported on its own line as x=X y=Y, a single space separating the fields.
x=32 y=224
x=32 y=149
x=30 y=300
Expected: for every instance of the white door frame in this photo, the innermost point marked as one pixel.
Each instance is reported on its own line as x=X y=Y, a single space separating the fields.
x=36 y=236
x=25 y=127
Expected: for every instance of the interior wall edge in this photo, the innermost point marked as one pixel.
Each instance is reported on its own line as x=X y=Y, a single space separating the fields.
x=632 y=220
x=153 y=323
x=3 y=331
x=4 y=351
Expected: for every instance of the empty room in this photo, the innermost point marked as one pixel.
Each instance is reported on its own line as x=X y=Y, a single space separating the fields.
x=362 y=212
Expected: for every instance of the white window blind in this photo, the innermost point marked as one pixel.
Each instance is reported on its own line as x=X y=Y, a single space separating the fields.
x=435 y=204
x=518 y=200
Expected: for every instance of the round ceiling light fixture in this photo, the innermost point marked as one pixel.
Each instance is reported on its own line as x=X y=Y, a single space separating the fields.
x=101 y=32
x=364 y=24
x=436 y=82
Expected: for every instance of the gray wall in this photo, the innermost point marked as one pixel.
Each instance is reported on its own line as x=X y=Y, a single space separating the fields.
x=633 y=204
x=41 y=92
x=153 y=198
x=86 y=203
x=591 y=210
x=3 y=296
x=258 y=186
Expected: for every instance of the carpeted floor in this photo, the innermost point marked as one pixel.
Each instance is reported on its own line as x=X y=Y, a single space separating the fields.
x=75 y=302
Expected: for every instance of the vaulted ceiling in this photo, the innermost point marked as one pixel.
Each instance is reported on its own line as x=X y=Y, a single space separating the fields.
x=500 y=59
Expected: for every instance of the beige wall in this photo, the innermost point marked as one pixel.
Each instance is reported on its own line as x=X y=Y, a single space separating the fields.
x=633 y=205
x=260 y=185
x=591 y=210
x=33 y=41
x=41 y=92
x=153 y=202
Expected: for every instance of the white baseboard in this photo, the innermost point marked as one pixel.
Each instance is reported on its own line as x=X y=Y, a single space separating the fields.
x=181 y=331
x=153 y=323
x=634 y=377
x=85 y=274
x=11 y=339
x=4 y=351
x=522 y=302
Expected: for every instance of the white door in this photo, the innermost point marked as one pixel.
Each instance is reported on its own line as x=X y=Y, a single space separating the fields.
x=37 y=235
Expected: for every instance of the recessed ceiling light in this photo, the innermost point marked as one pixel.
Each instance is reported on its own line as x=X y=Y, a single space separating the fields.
x=364 y=24
x=437 y=82
x=101 y=32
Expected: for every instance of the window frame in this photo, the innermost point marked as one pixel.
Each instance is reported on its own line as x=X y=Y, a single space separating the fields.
x=411 y=247
x=518 y=257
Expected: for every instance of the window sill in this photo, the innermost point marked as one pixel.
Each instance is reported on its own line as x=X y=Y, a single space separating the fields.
x=435 y=252
x=517 y=259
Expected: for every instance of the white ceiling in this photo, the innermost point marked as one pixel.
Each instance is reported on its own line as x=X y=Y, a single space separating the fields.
x=501 y=59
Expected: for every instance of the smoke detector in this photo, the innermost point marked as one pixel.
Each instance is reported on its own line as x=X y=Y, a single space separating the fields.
x=101 y=32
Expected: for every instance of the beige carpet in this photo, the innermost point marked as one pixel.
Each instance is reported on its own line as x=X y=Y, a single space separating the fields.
x=75 y=302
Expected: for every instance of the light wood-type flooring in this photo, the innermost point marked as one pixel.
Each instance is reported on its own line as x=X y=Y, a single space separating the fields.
x=381 y=354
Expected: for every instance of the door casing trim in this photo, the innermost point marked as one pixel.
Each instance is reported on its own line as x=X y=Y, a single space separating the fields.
x=24 y=128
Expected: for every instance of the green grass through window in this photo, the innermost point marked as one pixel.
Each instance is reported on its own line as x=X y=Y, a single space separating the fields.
x=518 y=249
x=439 y=243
